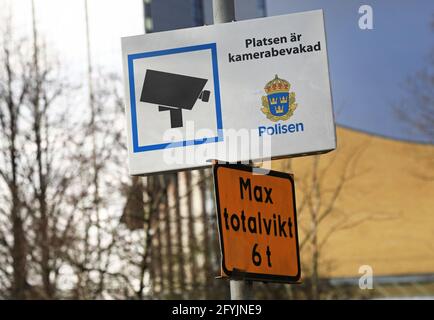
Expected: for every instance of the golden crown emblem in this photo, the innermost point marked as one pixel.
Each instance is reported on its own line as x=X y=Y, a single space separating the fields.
x=279 y=103
x=276 y=100
x=279 y=109
x=277 y=85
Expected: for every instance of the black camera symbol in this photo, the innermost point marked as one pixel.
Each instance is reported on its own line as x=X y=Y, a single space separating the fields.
x=173 y=92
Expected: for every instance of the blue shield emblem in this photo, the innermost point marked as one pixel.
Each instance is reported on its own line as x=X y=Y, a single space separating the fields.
x=278 y=103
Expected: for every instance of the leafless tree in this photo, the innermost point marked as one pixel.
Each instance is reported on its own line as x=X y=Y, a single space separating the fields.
x=14 y=87
x=416 y=110
x=36 y=186
x=320 y=195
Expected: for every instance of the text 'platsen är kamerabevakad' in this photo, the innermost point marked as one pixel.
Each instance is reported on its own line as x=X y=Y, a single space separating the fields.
x=292 y=45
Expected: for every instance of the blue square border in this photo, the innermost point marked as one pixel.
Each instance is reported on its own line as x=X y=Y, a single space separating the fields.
x=131 y=57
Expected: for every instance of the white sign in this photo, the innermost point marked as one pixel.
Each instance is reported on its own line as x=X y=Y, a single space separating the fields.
x=249 y=90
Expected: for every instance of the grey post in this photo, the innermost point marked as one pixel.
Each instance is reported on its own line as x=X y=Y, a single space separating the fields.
x=241 y=289
x=224 y=11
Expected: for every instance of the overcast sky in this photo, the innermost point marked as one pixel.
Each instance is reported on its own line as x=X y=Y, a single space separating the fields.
x=62 y=25
x=368 y=69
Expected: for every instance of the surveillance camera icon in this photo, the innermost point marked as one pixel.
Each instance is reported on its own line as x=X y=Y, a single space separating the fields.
x=173 y=92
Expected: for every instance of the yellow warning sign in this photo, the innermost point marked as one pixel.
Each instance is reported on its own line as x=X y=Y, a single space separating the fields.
x=257 y=223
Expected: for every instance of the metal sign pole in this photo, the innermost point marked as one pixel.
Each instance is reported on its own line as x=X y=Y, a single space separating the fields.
x=224 y=11
x=241 y=289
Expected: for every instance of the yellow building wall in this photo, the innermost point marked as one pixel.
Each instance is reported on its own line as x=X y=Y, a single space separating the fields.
x=383 y=215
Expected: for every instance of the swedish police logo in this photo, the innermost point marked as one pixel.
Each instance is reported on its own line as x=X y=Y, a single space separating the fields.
x=279 y=103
